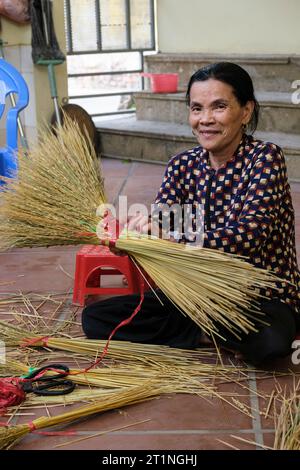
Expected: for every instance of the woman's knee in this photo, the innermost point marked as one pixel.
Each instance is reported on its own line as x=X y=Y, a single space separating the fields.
x=274 y=340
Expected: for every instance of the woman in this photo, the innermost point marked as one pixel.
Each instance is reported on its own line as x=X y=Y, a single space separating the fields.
x=242 y=184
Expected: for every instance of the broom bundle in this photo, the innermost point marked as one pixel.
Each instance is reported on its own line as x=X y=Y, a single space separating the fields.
x=54 y=199
x=9 y=436
x=207 y=285
x=152 y=383
x=133 y=353
x=197 y=378
x=54 y=202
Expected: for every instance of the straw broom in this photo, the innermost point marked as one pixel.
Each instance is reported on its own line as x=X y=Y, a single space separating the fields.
x=207 y=285
x=173 y=370
x=193 y=377
x=131 y=355
x=13 y=335
x=101 y=382
x=54 y=202
x=56 y=194
x=9 y=436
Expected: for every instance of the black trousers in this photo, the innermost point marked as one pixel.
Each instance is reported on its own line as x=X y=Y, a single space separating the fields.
x=165 y=324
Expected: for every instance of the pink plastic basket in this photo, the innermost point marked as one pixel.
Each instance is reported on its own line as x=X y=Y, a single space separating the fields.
x=163 y=82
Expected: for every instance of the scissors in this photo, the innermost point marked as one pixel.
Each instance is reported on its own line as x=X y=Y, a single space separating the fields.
x=49 y=385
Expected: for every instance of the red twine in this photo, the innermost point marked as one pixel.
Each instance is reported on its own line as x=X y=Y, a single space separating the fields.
x=32 y=426
x=122 y=323
x=11 y=393
x=31 y=342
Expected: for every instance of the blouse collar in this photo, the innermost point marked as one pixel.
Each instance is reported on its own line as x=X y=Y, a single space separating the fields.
x=239 y=152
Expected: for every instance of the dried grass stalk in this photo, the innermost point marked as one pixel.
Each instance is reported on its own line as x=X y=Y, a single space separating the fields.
x=56 y=194
x=287 y=423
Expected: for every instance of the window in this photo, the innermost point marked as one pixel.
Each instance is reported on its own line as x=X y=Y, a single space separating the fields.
x=106 y=43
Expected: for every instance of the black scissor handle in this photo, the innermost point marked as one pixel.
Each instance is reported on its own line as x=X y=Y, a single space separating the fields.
x=60 y=367
x=49 y=384
x=53 y=388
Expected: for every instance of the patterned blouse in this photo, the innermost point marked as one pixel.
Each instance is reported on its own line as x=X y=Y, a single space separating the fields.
x=247 y=206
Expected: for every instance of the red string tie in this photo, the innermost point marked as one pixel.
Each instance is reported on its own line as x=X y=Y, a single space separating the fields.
x=32 y=426
x=11 y=393
x=32 y=341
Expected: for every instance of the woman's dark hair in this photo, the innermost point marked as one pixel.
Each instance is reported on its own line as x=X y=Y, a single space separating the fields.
x=236 y=77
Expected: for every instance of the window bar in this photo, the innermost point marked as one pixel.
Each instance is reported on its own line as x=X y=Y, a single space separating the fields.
x=142 y=67
x=109 y=51
x=69 y=25
x=128 y=24
x=98 y=24
x=152 y=24
x=98 y=95
x=97 y=74
x=114 y=113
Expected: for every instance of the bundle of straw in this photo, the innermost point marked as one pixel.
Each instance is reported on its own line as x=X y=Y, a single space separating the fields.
x=201 y=380
x=54 y=202
x=56 y=194
x=9 y=436
x=14 y=336
x=207 y=285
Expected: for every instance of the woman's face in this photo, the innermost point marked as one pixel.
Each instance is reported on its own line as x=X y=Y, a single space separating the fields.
x=216 y=116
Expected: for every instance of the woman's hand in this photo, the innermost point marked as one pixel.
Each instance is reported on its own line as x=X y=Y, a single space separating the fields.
x=142 y=224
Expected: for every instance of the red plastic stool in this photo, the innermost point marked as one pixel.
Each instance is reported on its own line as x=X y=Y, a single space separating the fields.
x=93 y=262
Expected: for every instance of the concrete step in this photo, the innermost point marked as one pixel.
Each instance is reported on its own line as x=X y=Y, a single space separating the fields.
x=277 y=112
x=150 y=141
x=268 y=72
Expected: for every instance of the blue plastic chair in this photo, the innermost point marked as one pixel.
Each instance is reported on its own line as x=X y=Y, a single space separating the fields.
x=11 y=81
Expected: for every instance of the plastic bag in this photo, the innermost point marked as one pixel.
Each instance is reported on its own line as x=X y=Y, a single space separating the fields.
x=15 y=10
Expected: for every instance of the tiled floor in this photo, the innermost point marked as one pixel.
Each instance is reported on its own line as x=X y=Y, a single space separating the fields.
x=175 y=422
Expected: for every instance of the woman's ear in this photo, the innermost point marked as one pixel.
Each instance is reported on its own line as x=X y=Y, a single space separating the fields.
x=248 y=111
